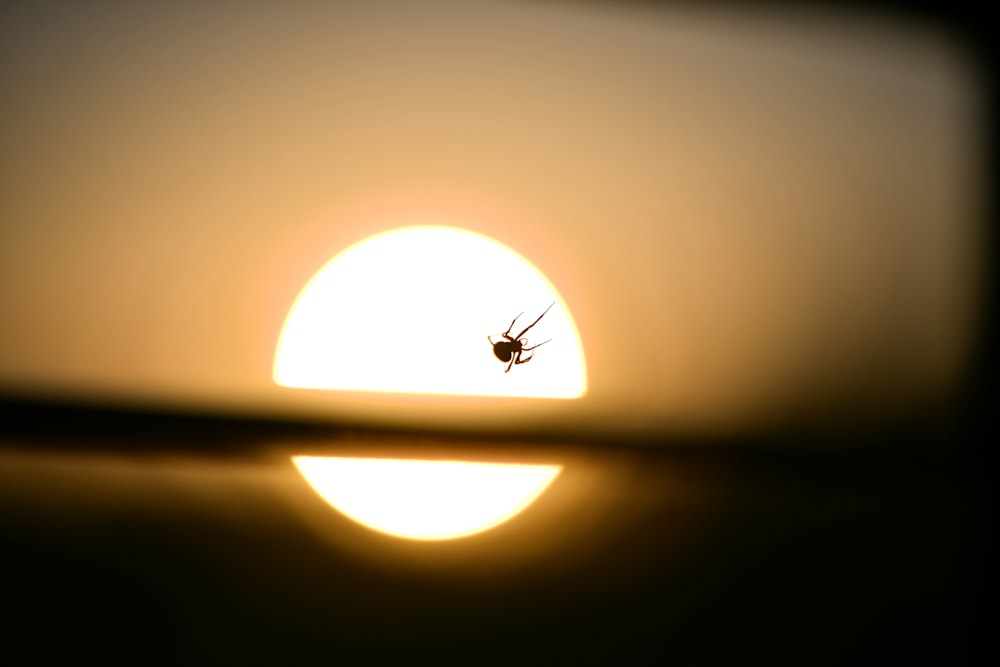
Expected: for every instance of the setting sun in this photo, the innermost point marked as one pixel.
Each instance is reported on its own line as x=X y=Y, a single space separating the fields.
x=411 y=310
x=425 y=500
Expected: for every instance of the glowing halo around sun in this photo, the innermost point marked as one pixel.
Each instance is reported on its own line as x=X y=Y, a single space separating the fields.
x=425 y=500
x=409 y=311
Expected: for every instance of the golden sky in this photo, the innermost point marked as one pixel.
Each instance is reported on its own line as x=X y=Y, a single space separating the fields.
x=750 y=216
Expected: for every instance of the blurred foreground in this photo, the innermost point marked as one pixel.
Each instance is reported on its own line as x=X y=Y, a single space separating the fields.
x=147 y=539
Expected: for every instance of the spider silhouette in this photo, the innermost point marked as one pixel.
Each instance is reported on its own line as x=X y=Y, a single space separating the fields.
x=509 y=348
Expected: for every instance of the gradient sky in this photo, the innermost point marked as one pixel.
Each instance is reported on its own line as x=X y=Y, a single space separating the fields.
x=750 y=216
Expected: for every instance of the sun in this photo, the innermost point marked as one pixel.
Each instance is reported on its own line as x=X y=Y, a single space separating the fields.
x=425 y=500
x=410 y=311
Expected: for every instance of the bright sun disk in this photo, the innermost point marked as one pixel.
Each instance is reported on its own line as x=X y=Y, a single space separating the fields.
x=425 y=500
x=410 y=310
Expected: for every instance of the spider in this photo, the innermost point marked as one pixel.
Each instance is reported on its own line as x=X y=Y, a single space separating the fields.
x=509 y=348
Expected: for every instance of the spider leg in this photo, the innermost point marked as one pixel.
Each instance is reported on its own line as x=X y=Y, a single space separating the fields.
x=525 y=349
x=533 y=323
x=524 y=360
x=514 y=359
x=512 y=326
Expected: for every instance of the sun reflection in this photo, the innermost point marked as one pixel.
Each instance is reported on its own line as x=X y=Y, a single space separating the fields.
x=425 y=500
x=410 y=310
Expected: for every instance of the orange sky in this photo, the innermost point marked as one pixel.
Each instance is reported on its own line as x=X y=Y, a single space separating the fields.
x=749 y=217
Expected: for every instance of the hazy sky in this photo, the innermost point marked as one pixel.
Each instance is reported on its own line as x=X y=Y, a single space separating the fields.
x=749 y=215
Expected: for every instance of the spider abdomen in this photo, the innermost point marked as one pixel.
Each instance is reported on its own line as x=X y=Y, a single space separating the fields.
x=504 y=350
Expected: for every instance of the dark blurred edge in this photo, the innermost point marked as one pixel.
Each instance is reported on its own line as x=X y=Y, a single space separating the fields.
x=967 y=439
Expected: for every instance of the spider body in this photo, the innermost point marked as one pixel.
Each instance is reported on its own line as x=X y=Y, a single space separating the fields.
x=509 y=349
